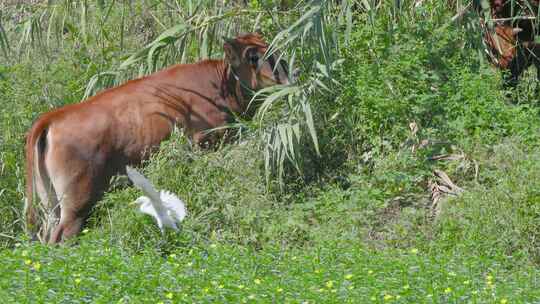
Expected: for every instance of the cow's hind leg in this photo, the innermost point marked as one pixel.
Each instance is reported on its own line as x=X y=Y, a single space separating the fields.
x=75 y=205
x=78 y=184
x=48 y=212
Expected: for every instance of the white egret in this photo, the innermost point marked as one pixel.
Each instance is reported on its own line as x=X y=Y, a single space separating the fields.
x=164 y=206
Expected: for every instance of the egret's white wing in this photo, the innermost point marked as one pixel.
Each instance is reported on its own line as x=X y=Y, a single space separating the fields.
x=169 y=221
x=146 y=186
x=174 y=205
x=148 y=208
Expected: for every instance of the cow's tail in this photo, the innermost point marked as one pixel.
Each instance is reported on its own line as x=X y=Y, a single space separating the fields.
x=36 y=144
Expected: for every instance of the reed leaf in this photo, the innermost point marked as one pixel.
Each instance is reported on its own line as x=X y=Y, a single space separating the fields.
x=4 y=42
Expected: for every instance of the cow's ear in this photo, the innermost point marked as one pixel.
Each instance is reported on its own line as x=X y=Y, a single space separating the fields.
x=232 y=56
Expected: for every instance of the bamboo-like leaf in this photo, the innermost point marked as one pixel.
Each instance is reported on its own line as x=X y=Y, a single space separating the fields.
x=267 y=158
x=50 y=28
x=203 y=53
x=366 y=5
x=151 y=57
x=91 y=87
x=165 y=38
x=348 y=22
x=311 y=126
x=4 y=43
x=278 y=93
x=84 y=10
x=286 y=36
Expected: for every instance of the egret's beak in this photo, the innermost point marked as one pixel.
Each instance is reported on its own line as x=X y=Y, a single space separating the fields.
x=132 y=203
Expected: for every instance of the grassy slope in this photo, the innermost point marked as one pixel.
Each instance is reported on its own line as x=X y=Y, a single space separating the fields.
x=362 y=213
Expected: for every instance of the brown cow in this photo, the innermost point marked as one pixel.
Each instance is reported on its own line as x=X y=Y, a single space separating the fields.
x=72 y=152
x=511 y=42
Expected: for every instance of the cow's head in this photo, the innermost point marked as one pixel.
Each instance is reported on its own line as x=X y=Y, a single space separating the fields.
x=245 y=55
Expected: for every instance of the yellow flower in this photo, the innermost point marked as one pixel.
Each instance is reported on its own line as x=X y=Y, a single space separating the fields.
x=370 y=272
x=37 y=266
x=414 y=251
x=28 y=262
x=169 y=295
x=388 y=297
x=279 y=290
x=257 y=281
x=77 y=281
x=504 y=301
x=448 y=290
x=220 y=286
x=206 y=290
x=329 y=284
x=349 y=276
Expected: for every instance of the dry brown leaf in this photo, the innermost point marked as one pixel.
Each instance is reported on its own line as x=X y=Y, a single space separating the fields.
x=448 y=157
x=440 y=187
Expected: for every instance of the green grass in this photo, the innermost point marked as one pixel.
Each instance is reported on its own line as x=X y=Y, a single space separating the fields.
x=354 y=226
x=328 y=273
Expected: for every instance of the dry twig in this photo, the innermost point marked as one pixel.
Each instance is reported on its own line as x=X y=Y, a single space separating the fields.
x=440 y=187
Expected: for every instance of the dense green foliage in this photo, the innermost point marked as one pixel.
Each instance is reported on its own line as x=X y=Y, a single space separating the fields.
x=354 y=224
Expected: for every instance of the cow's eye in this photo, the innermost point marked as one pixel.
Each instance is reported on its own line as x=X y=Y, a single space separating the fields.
x=253 y=58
